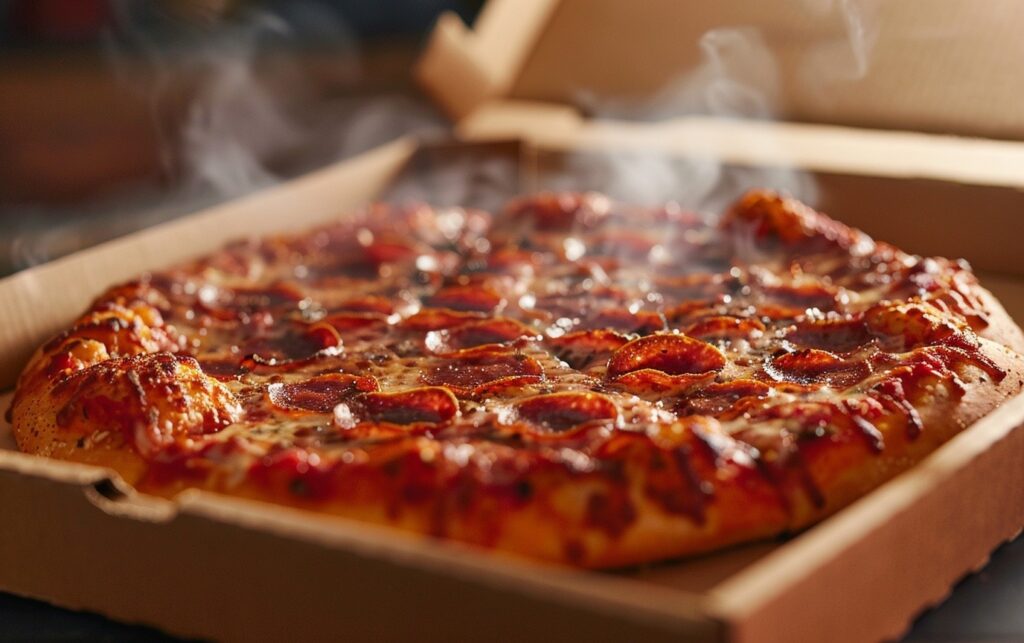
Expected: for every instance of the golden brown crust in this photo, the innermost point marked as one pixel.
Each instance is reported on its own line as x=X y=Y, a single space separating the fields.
x=567 y=384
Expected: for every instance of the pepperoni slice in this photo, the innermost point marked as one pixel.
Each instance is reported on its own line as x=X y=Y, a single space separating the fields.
x=478 y=333
x=726 y=327
x=804 y=296
x=807 y=360
x=670 y=354
x=436 y=318
x=649 y=381
x=323 y=334
x=811 y=365
x=424 y=405
x=561 y=211
x=387 y=251
x=841 y=334
x=288 y=347
x=563 y=411
x=354 y=321
x=720 y=398
x=505 y=386
x=475 y=367
x=622 y=320
x=227 y=304
x=368 y=304
x=473 y=298
x=622 y=244
x=581 y=348
x=319 y=394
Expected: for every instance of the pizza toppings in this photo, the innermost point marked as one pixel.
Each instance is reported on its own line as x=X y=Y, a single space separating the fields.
x=478 y=333
x=149 y=400
x=563 y=411
x=469 y=370
x=597 y=369
x=561 y=212
x=426 y=405
x=670 y=354
x=319 y=394
x=469 y=298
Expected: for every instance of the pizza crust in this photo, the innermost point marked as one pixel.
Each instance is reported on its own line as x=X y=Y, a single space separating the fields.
x=611 y=440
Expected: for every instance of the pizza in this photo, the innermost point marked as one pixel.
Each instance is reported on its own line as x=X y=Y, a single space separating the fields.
x=574 y=379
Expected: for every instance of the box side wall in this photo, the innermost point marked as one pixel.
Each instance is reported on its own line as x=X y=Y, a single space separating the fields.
x=895 y=552
x=200 y=575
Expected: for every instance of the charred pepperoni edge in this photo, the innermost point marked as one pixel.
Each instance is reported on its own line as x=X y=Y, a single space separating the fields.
x=580 y=349
x=437 y=318
x=477 y=298
x=426 y=405
x=842 y=334
x=725 y=326
x=560 y=211
x=474 y=334
x=476 y=371
x=670 y=354
x=741 y=394
x=558 y=412
x=652 y=381
x=810 y=365
x=643 y=322
x=319 y=394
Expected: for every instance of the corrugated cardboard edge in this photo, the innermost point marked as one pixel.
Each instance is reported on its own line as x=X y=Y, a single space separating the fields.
x=303 y=202
x=462 y=68
x=759 y=143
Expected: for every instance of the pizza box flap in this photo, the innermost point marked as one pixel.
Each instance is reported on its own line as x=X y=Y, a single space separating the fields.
x=941 y=66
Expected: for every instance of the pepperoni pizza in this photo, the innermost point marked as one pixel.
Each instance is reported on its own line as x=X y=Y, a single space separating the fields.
x=574 y=379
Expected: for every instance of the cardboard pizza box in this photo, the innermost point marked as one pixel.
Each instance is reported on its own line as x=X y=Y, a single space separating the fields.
x=218 y=567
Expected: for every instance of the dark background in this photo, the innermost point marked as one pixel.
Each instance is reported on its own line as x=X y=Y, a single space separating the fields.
x=117 y=114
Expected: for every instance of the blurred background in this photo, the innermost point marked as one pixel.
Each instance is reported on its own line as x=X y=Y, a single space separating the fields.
x=117 y=114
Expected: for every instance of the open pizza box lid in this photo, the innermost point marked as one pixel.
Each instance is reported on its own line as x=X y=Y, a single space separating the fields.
x=212 y=566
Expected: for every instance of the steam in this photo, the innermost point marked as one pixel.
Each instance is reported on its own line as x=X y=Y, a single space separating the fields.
x=835 y=61
x=738 y=77
x=248 y=122
x=242 y=122
x=254 y=115
x=236 y=122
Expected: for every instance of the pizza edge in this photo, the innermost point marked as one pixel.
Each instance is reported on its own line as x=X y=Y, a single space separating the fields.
x=743 y=509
